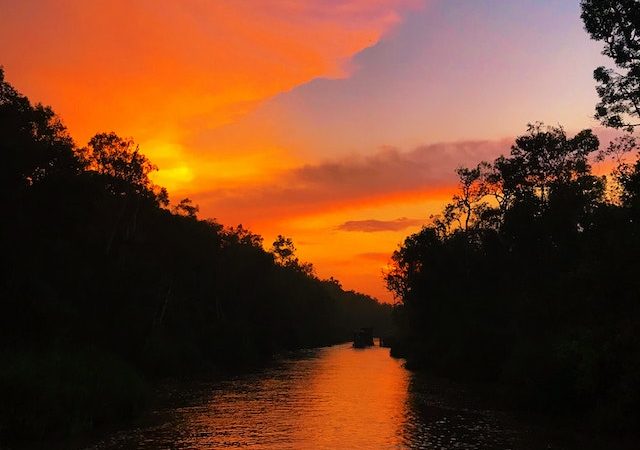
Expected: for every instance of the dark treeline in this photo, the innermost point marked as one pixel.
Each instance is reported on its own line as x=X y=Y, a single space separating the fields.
x=530 y=276
x=104 y=287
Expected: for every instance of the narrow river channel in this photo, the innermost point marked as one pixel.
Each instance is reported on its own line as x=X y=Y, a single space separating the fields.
x=329 y=398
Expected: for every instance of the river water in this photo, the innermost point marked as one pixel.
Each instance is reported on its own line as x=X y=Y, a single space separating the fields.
x=330 y=398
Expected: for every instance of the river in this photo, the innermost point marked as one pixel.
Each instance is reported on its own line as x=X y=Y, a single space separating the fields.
x=330 y=398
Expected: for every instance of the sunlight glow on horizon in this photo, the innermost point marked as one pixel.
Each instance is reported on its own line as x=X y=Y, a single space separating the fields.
x=296 y=117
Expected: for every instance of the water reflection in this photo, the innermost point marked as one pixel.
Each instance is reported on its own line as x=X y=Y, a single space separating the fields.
x=440 y=416
x=329 y=398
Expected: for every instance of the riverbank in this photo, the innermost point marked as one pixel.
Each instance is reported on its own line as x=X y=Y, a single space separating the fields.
x=552 y=429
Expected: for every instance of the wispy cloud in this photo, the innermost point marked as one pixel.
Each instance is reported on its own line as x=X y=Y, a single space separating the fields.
x=387 y=173
x=373 y=225
x=374 y=256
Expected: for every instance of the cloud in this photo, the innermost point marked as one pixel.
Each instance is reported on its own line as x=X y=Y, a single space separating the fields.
x=374 y=256
x=386 y=174
x=373 y=225
x=180 y=65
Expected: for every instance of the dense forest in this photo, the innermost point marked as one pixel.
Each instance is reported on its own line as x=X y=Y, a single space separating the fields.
x=105 y=287
x=529 y=277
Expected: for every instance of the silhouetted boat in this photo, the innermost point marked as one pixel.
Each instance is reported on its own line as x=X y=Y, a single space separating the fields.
x=363 y=338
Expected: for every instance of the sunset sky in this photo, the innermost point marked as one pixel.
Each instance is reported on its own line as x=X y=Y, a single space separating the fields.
x=337 y=123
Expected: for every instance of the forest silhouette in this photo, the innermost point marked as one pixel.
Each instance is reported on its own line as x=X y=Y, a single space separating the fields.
x=529 y=276
x=106 y=287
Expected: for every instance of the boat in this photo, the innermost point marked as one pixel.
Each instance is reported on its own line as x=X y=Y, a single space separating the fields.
x=363 y=338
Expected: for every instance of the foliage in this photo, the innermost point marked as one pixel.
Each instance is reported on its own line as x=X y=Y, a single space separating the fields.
x=67 y=391
x=34 y=143
x=186 y=208
x=284 y=253
x=617 y=24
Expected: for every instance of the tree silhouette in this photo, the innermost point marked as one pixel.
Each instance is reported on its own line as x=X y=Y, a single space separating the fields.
x=617 y=24
x=108 y=154
x=526 y=279
x=186 y=207
x=284 y=252
x=33 y=142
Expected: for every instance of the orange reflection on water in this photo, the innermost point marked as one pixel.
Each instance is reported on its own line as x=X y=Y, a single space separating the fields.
x=358 y=398
x=329 y=398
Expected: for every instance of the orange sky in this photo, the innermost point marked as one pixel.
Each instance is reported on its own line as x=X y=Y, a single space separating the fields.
x=335 y=122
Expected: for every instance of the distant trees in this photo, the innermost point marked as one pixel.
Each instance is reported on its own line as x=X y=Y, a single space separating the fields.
x=186 y=207
x=243 y=236
x=284 y=253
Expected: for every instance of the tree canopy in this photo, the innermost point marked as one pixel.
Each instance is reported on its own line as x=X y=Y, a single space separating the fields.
x=617 y=24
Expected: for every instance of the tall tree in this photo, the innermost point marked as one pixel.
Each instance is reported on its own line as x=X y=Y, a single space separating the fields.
x=109 y=154
x=284 y=252
x=617 y=24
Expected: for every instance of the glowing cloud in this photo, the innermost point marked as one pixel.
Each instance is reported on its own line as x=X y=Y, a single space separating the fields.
x=151 y=65
x=385 y=176
x=372 y=225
